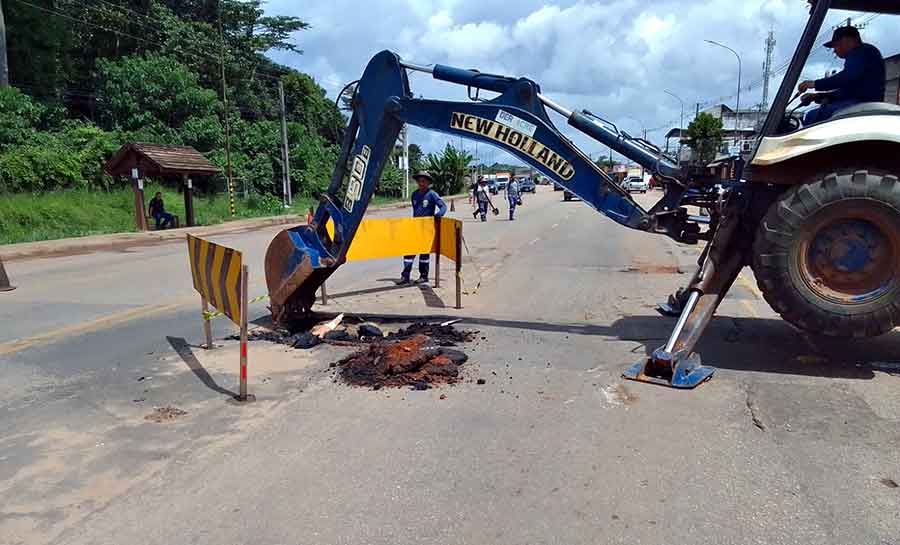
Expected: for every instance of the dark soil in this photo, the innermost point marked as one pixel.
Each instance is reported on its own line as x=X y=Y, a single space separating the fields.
x=443 y=335
x=414 y=361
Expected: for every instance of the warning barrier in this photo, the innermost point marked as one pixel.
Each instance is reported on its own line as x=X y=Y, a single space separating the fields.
x=395 y=237
x=221 y=279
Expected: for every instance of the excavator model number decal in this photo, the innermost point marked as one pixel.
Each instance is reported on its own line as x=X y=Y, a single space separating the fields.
x=506 y=135
x=357 y=175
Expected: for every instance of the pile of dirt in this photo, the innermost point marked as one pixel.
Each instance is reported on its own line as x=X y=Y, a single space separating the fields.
x=165 y=414
x=443 y=335
x=414 y=361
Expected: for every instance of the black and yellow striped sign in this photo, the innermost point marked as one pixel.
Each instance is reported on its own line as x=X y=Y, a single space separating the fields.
x=217 y=275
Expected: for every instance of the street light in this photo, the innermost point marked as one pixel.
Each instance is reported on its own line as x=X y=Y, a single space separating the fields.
x=737 y=115
x=681 y=123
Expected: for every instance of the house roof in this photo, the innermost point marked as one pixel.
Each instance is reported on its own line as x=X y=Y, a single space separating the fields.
x=159 y=160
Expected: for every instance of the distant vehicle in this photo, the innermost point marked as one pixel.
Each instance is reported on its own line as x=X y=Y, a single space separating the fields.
x=636 y=184
x=527 y=186
x=499 y=184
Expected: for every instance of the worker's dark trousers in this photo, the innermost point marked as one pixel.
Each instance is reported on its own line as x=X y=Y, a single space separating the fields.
x=482 y=210
x=512 y=208
x=424 y=262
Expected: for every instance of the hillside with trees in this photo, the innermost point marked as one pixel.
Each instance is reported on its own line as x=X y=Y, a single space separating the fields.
x=87 y=76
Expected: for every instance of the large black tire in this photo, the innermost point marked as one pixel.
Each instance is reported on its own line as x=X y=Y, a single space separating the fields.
x=827 y=254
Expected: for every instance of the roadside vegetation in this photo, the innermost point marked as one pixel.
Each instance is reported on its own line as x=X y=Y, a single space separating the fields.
x=87 y=78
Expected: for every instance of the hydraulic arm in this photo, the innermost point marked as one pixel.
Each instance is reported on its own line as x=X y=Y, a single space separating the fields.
x=299 y=260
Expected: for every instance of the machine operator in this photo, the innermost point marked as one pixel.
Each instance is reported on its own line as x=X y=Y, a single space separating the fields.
x=861 y=80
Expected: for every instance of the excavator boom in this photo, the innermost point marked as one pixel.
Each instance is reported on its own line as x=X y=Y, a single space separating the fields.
x=299 y=260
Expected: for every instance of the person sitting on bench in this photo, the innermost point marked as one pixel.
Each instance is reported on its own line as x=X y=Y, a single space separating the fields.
x=157 y=210
x=861 y=80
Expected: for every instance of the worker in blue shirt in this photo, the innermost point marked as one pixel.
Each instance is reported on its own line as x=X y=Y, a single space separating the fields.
x=425 y=203
x=861 y=80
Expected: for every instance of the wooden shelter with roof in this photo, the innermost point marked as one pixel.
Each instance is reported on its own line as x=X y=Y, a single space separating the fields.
x=138 y=160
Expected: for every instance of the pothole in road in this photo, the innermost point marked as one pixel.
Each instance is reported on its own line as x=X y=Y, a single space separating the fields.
x=419 y=356
x=415 y=361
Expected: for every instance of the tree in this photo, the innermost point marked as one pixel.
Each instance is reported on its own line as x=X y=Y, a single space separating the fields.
x=137 y=91
x=449 y=169
x=415 y=157
x=705 y=137
x=305 y=102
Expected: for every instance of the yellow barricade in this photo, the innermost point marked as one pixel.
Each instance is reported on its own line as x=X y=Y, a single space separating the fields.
x=393 y=237
x=217 y=275
x=221 y=279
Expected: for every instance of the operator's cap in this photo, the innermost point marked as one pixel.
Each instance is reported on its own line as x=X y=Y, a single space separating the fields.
x=842 y=32
x=424 y=174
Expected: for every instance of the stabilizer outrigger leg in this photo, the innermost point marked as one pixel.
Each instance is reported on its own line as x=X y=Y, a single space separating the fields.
x=675 y=364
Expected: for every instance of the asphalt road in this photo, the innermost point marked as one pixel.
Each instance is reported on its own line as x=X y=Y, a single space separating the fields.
x=793 y=441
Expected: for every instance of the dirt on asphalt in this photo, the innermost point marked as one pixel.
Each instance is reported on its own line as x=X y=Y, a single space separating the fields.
x=415 y=361
x=418 y=356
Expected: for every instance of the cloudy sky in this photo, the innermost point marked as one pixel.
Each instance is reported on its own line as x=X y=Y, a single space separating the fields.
x=613 y=57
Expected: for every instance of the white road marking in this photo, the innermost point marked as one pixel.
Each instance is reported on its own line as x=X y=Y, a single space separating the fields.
x=554 y=226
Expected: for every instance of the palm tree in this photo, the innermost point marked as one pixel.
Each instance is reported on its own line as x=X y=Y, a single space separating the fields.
x=449 y=169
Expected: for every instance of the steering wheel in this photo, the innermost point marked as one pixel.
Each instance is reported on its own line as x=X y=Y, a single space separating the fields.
x=791 y=121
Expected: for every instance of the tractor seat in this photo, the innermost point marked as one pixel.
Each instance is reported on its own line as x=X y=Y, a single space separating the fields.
x=868 y=108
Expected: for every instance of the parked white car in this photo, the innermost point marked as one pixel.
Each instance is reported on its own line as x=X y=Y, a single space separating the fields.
x=636 y=184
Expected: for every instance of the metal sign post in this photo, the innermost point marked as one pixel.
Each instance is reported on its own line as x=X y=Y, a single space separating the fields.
x=245 y=275
x=437 y=252
x=458 y=230
x=207 y=323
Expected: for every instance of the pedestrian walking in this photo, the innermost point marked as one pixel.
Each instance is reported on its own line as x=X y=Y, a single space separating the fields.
x=483 y=199
x=513 y=197
x=425 y=203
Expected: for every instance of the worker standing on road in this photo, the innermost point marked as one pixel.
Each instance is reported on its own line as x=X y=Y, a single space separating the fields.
x=482 y=198
x=513 y=197
x=425 y=203
x=861 y=80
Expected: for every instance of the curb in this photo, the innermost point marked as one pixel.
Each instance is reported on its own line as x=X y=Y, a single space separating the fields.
x=82 y=245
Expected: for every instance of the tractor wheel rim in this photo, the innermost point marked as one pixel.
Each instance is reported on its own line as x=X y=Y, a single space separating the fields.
x=851 y=257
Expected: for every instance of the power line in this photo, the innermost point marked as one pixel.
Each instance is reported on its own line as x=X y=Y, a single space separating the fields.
x=197 y=56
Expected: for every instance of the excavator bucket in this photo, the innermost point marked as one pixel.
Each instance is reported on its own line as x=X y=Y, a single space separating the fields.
x=300 y=259
x=296 y=266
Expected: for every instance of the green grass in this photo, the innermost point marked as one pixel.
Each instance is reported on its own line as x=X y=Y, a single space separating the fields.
x=76 y=213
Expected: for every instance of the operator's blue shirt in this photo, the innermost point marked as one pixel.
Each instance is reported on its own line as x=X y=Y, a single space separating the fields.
x=425 y=203
x=861 y=80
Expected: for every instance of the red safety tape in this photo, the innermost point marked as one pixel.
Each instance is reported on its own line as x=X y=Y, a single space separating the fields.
x=244 y=350
x=244 y=373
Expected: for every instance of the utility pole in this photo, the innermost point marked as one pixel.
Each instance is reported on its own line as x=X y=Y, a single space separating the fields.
x=285 y=151
x=4 y=69
x=406 y=161
x=227 y=122
x=767 y=68
x=681 y=123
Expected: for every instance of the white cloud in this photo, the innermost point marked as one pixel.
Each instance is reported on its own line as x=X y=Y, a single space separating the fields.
x=614 y=57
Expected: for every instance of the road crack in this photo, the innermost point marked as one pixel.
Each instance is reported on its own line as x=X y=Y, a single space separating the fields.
x=753 y=411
